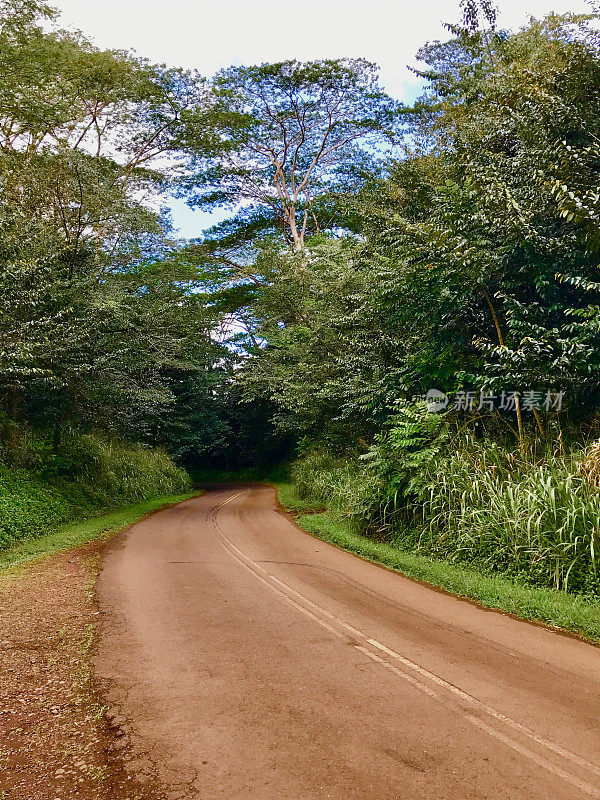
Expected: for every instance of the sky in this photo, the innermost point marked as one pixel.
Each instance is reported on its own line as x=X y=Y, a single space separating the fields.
x=211 y=34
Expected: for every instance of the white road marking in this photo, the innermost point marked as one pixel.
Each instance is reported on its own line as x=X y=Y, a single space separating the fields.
x=524 y=751
x=284 y=590
x=489 y=710
x=224 y=503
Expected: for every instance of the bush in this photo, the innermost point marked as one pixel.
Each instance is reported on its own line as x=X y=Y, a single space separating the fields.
x=345 y=486
x=28 y=505
x=411 y=444
x=19 y=447
x=368 y=489
x=90 y=473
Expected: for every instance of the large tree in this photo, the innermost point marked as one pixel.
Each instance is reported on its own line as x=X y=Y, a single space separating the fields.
x=476 y=268
x=94 y=317
x=291 y=131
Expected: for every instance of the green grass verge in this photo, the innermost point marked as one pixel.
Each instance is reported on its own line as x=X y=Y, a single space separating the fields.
x=77 y=533
x=554 y=608
x=288 y=497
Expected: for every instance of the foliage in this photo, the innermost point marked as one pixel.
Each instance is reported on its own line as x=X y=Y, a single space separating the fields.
x=539 y=521
x=482 y=505
x=28 y=505
x=112 y=472
x=474 y=265
x=295 y=138
x=95 y=315
x=316 y=354
x=411 y=445
x=289 y=130
x=89 y=473
x=336 y=483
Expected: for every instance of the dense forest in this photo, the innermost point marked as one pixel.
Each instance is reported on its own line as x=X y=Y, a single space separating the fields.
x=402 y=308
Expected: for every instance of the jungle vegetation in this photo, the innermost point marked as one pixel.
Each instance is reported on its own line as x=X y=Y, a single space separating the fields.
x=374 y=252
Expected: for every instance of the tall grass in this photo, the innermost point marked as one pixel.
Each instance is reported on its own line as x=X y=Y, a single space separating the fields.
x=109 y=470
x=500 y=511
x=90 y=473
x=344 y=486
x=537 y=520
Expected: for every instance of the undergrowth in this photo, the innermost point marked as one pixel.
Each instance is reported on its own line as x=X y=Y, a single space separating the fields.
x=41 y=490
x=422 y=488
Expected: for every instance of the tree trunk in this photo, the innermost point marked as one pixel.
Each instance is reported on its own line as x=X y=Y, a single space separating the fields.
x=297 y=237
x=56 y=436
x=488 y=300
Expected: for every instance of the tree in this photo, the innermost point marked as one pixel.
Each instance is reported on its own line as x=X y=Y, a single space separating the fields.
x=289 y=130
x=453 y=281
x=480 y=224
x=327 y=351
x=473 y=10
x=94 y=318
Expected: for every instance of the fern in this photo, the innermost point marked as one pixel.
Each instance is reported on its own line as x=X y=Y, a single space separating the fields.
x=411 y=442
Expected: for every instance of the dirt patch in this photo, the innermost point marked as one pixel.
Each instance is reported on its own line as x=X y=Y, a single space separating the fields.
x=56 y=738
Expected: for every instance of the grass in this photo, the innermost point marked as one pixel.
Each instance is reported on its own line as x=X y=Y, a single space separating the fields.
x=77 y=533
x=532 y=517
x=289 y=498
x=508 y=513
x=552 y=607
x=41 y=491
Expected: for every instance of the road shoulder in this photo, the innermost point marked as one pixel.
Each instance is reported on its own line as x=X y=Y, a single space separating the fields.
x=56 y=740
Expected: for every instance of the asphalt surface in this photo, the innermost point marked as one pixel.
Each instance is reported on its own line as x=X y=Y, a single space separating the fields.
x=244 y=659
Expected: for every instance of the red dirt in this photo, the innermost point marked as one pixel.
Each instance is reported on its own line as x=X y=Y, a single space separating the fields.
x=55 y=741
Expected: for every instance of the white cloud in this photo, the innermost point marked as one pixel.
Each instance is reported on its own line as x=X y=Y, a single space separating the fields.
x=210 y=34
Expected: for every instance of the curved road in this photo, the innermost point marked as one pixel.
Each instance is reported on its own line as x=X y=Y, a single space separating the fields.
x=248 y=660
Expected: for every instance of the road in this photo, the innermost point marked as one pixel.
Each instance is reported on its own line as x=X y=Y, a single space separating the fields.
x=248 y=660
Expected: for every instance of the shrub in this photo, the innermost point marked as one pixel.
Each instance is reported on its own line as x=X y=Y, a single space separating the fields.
x=368 y=489
x=411 y=444
x=89 y=473
x=19 y=447
x=28 y=505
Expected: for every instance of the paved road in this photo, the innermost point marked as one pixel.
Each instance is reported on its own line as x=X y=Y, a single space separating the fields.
x=250 y=661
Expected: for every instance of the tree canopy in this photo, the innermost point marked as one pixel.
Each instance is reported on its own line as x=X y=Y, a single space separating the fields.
x=93 y=320
x=374 y=251
x=290 y=132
